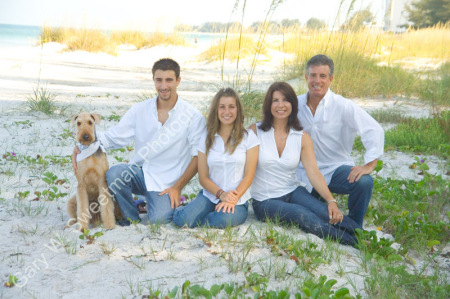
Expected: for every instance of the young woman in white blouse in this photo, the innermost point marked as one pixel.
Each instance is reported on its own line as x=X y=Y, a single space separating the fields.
x=276 y=191
x=227 y=158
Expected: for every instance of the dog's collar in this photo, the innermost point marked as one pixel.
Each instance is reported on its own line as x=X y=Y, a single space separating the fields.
x=89 y=150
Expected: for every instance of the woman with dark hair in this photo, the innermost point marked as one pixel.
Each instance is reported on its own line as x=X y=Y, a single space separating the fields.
x=227 y=158
x=276 y=191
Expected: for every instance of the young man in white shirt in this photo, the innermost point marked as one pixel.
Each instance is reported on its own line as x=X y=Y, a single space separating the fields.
x=333 y=121
x=166 y=130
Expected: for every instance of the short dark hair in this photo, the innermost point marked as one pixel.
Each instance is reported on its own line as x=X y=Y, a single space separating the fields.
x=290 y=95
x=167 y=64
x=321 y=60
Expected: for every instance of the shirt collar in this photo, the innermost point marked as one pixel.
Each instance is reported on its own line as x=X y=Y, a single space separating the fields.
x=173 y=110
x=325 y=98
x=325 y=101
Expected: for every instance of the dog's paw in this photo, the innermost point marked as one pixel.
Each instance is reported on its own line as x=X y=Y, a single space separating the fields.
x=109 y=227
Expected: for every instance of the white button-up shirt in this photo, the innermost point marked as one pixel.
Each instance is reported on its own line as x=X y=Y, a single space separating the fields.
x=275 y=176
x=333 y=129
x=164 y=151
x=225 y=170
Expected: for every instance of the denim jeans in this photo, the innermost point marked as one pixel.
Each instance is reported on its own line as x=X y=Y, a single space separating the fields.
x=201 y=211
x=124 y=180
x=308 y=213
x=359 y=193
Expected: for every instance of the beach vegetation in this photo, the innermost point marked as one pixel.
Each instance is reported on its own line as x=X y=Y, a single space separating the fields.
x=42 y=100
x=94 y=40
x=412 y=211
x=425 y=135
x=12 y=281
x=232 y=48
x=90 y=238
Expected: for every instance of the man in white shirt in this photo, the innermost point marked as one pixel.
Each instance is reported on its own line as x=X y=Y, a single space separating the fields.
x=166 y=130
x=333 y=121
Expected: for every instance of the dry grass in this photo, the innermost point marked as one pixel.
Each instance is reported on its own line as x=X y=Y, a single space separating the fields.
x=231 y=48
x=429 y=42
x=99 y=41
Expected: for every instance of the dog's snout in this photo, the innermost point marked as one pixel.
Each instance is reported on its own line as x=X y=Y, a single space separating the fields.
x=86 y=137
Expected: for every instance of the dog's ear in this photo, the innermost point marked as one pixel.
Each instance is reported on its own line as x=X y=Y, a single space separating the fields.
x=74 y=118
x=96 y=117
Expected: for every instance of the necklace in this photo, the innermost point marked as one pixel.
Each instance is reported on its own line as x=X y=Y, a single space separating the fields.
x=310 y=107
x=282 y=137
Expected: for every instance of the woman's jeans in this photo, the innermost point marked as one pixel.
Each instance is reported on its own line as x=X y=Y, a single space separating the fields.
x=201 y=211
x=308 y=213
x=124 y=180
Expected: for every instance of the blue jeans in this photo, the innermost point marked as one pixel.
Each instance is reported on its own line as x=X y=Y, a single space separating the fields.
x=308 y=213
x=201 y=211
x=124 y=180
x=359 y=193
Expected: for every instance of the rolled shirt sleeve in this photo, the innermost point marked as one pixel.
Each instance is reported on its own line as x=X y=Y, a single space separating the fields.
x=122 y=134
x=371 y=132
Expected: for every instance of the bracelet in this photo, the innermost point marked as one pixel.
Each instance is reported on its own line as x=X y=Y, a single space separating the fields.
x=219 y=193
x=330 y=201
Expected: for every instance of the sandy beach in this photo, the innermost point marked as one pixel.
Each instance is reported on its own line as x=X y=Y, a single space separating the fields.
x=51 y=261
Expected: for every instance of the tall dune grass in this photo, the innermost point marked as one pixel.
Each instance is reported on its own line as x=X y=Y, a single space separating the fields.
x=364 y=61
x=430 y=42
x=232 y=49
x=92 y=40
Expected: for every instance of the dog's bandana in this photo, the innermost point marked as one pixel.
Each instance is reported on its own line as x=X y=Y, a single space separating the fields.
x=89 y=150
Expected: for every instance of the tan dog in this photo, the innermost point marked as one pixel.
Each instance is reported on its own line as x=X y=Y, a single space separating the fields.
x=92 y=197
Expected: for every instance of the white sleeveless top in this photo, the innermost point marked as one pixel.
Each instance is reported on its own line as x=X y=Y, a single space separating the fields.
x=276 y=176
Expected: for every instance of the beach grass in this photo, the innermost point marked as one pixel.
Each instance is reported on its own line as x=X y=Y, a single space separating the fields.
x=94 y=40
x=364 y=62
x=231 y=48
x=425 y=135
x=429 y=42
x=42 y=100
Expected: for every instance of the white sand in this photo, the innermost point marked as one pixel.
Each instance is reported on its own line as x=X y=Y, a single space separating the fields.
x=34 y=243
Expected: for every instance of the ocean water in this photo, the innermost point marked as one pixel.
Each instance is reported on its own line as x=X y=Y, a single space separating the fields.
x=19 y=35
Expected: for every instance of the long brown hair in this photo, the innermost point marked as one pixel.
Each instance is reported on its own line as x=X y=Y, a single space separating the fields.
x=290 y=95
x=213 y=123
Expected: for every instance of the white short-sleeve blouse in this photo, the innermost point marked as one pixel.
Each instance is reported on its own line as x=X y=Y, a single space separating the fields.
x=225 y=170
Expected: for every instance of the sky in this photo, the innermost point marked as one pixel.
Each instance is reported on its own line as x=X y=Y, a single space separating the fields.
x=163 y=15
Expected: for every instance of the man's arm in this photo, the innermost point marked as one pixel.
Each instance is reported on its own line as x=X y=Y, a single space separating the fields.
x=372 y=137
x=174 y=192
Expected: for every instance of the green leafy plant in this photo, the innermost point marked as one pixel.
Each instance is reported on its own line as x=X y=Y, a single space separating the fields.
x=114 y=117
x=371 y=247
x=12 y=281
x=322 y=289
x=90 y=238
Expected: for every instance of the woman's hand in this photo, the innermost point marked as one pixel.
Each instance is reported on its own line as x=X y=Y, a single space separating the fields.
x=229 y=197
x=226 y=206
x=335 y=214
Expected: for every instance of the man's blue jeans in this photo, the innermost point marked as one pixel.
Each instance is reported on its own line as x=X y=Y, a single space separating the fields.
x=124 y=180
x=201 y=211
x=359 y=193
x=308 y=213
